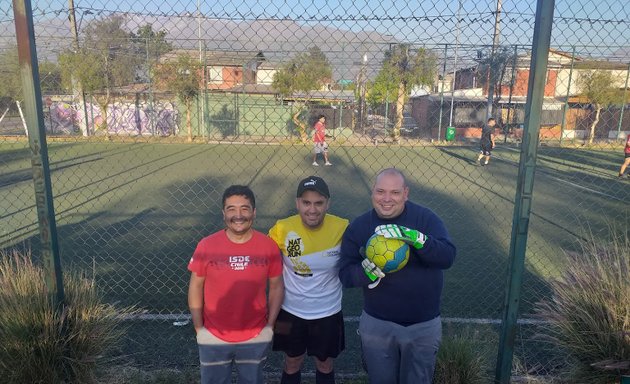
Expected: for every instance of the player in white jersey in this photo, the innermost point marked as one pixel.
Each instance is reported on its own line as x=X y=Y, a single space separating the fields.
x=310 y=321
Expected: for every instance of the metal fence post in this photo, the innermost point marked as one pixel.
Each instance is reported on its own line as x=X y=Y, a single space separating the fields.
x=441 y=92
x=623 y=105
x=566 y=101
x=525 y=187
x=29 y=72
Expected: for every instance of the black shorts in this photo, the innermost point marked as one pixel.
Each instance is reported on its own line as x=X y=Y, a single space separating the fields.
x=322 y=338
x=486 y=149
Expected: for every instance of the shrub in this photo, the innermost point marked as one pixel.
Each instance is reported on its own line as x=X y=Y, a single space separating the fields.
x=588 y=314
x=459 y=362
x=39 y=344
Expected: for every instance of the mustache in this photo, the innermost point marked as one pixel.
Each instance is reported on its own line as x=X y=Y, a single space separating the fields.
x=240 y=218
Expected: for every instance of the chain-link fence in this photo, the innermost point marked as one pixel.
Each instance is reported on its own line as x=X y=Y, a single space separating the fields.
x=152 y=109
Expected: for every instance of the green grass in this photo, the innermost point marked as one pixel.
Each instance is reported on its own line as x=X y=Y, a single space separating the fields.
x=135 y=211
x=459 y=361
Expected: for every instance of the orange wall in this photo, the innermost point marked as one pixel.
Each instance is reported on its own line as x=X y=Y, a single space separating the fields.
x=522 y=79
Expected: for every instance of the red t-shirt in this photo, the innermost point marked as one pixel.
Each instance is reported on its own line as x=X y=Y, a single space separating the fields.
x=320 y=132
x=234 y=298
x=627 y=148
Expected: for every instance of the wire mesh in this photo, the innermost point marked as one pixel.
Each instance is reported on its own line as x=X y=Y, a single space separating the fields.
x=152 y=109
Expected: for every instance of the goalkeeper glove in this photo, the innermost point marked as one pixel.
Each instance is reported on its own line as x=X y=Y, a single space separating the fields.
x=408 y=235
x=373 y=272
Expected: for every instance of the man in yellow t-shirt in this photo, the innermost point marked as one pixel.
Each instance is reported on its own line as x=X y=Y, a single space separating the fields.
x=310 y=321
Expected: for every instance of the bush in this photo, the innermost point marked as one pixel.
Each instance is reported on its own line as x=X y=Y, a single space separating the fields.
x=41 y=345
x=589 y=312
x=459 y=362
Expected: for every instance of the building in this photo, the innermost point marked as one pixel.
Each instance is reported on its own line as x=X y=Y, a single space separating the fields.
x=224 y=70
x=566 y=112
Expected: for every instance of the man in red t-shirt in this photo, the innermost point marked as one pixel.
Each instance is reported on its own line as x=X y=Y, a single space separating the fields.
x=626 y=161
x=319 y=140
x=232 y=315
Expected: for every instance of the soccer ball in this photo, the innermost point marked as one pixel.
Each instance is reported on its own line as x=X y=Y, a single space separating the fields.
x=390 y=255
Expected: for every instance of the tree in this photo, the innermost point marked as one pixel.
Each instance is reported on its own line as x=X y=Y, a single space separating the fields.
x=149 y=45
x=182 y=77
x=10 y=81
x=598 y=88
x=50 y=78
x=492 y=69
x=103 y=62
x=306 y=72
x=404 y=68
x=383 y=89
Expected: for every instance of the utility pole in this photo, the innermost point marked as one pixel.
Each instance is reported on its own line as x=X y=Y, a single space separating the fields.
x=495 y=45
x=77 y=87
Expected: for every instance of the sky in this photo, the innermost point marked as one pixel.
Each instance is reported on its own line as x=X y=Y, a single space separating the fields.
x=599 y=28
x=576 y=21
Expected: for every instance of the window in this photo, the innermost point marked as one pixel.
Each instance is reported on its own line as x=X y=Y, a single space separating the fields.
x=215 y=75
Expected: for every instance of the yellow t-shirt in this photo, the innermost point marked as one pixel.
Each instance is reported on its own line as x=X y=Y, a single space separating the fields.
x=309 y=258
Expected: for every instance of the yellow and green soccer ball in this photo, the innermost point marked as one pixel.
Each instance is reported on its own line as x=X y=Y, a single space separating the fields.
x=390 y=255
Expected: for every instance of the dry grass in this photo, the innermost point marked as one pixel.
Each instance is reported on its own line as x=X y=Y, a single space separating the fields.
x=39 y=344
x=589 y=312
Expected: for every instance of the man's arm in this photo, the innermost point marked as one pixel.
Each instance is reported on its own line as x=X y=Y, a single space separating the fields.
x=195 y=300
x=439 y=251
x=276 y=296
x=351 y=272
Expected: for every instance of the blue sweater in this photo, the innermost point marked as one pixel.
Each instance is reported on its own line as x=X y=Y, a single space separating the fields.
x=411 y=295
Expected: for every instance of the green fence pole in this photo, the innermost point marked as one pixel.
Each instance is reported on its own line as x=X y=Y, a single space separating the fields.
x=439 y=138
x=525 y=186
x=566 y=101
x=34 y=116
x=341 y=105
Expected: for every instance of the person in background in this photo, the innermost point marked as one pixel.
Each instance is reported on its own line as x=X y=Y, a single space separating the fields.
x=626 y=161
x=400 y=326
x=319 y=140
x=230 y=271
x=487 y=141
x=310 y=321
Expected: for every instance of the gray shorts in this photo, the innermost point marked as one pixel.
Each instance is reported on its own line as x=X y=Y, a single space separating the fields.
x=395 y=354
x=320 y=147
x=216 y=358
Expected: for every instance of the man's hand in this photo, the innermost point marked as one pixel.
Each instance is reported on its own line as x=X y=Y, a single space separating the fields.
x=408 y=235
x=373 y=272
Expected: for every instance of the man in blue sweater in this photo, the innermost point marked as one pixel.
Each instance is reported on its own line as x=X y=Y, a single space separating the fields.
x=400 y=325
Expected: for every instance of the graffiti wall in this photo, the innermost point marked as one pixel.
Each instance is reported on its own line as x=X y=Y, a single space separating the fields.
x=142 y=119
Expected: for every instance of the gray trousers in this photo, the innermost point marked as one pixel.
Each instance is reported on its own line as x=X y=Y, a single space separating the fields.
x=394 y=354
x=216 y=358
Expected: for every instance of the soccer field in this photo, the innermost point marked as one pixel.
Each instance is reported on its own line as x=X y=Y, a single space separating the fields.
x=130 y=214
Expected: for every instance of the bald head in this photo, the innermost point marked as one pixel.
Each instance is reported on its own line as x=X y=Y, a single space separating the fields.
x=391 y=172
x=389 y=194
